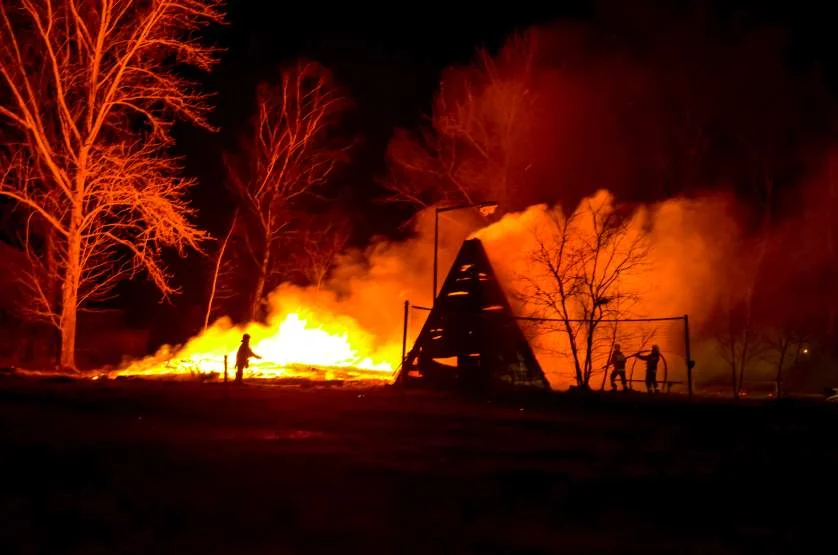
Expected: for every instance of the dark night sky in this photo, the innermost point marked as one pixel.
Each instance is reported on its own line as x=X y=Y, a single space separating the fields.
x=390 y=61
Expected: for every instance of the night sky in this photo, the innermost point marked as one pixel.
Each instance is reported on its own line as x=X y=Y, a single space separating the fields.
x=389 y=61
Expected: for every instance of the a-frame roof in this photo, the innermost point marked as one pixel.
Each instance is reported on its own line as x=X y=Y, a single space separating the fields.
x=472 y=321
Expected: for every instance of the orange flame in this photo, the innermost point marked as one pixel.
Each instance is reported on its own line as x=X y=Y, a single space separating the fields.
x=300 y=340
x=351 y=330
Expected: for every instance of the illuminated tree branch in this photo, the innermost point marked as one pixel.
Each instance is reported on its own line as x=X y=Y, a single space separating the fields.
x=287 y=155
x=581 y=272
x=88 y=94
x=477 y=146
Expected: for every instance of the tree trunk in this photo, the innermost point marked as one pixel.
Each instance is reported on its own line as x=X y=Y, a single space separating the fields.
x=784 y=346
x=218 y=261
x=589 y=350
x=744 y=360
x=610 y=350
x=732 y=339
x=259 y=289
x=832 y=300
x=575 y=353
x=72 y=271
x=53 y=294
x=69 y=300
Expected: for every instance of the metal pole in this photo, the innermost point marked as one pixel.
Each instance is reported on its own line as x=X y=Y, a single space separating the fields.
x=689 y=359
x=436 y=242
x=225 y=368
x=404 y=334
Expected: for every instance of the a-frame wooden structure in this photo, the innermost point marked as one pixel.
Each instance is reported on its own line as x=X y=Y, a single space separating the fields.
x=471 y=340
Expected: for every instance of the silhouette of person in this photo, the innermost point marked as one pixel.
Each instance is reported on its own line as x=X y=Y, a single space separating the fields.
x=243 y=356
x=618 y=361
x=652 y=360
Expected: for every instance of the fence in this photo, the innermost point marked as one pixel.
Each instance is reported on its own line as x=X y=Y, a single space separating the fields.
x=550 y=340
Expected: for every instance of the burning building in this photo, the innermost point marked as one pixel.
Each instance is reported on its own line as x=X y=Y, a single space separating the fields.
x=470 y=339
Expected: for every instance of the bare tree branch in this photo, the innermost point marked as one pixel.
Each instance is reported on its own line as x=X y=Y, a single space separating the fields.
x=287 y=155
x=580 y=272
x=480 y=128
x=90 y=93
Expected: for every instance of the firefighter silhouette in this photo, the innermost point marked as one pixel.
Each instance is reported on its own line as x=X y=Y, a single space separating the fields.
x=652 y=360
x=618 y=361
x=243 y=356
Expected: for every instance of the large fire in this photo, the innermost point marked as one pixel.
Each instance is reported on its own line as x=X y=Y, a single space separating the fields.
x=298 y=341
x=351 y=329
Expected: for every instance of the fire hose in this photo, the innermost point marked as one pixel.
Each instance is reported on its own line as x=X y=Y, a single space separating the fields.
x=665 y=369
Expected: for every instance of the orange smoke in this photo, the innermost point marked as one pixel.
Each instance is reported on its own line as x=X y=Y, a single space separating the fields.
x=690 y=244
x=352 y=328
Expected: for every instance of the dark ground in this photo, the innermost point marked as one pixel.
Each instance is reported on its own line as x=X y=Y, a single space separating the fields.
x=151 y=468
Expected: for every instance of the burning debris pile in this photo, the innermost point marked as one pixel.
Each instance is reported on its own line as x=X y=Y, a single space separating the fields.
x=348 y=330
x=351 y=330
x=298 y=342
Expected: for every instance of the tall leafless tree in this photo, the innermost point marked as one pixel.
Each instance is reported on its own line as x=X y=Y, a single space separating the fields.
x=581 y=273
x=216 y=293
x=784 y=346
x=475 y=148
x=288 y=153
x=741 y=340
x=89 y=92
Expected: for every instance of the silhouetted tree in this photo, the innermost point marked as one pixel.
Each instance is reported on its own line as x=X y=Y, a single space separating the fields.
x=319 y=249
x=89 y=94
x=475 y=149
x=287 y=154
x=581 y=274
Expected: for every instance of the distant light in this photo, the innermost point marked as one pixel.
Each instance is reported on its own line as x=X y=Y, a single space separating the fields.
x=805 y=350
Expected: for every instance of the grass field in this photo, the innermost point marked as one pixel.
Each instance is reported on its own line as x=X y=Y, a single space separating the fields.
x=146 y=468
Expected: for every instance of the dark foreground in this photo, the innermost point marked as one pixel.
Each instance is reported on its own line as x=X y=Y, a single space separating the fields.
x=187 y=468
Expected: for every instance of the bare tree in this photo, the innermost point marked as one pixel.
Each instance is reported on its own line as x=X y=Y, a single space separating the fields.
x=740 y=340
x=784 y=345
x=580 y=275
x=481 y=125
x=288 y=154
x=766 y=150
x=320 y=248
x=314 y=252
x=744 y=334
x=89 y=93
x=743 y=341
x=218 y=265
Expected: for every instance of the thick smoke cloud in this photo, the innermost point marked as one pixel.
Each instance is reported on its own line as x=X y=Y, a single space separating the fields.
x=699 y=132
x=699 y=119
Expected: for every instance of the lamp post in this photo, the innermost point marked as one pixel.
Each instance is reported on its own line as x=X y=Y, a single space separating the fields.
x=486 y=208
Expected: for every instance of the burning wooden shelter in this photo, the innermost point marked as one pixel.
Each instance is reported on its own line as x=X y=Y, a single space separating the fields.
x=471 y=340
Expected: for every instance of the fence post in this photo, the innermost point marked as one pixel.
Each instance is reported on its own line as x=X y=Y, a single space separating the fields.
x=689 y=356
x=404 y=332
x=225 y=368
